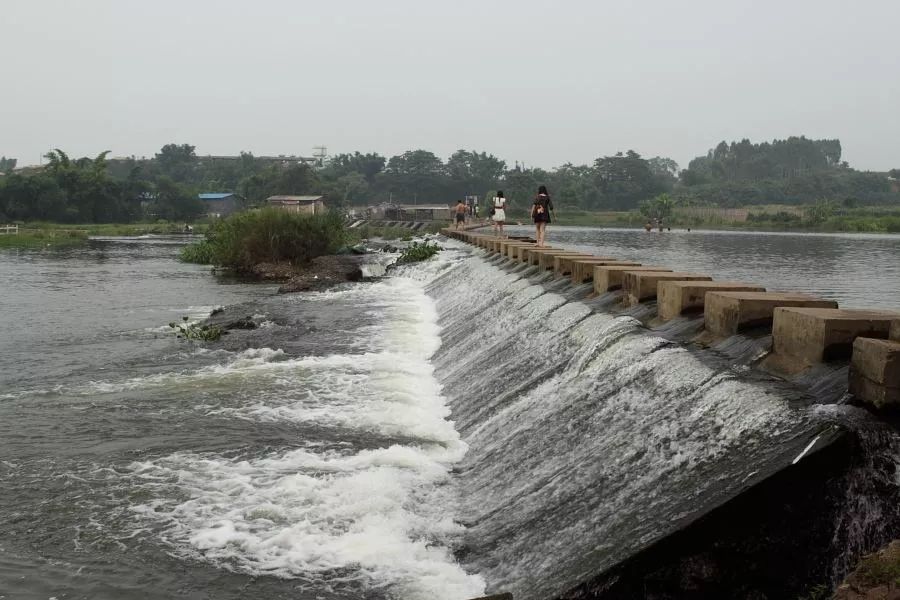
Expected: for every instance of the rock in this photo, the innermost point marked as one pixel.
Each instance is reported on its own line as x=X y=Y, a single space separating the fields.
x=876 y=577
x=244 y=323
x=324 y=272
x=273 y=271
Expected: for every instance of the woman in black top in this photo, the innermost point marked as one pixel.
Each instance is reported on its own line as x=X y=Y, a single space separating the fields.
x=540 y=213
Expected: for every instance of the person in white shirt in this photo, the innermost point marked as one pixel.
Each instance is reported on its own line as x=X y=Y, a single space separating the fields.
x=499 y=212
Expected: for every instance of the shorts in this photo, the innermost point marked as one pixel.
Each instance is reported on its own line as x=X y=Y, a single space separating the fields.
x=460 y=218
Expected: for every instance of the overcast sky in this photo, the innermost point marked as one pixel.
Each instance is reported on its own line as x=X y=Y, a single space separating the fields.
x=543 y=82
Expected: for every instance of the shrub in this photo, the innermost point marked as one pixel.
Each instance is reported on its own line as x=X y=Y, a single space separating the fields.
x=269 y=235
x=202 y=253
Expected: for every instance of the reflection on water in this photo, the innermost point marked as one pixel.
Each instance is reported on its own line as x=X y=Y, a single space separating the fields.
x=857 y=270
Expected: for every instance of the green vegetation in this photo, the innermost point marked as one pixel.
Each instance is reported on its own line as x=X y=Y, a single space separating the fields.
x=268 y=236
x=417 y=252
x=193 y=331
x=393 y=233
x=793 y=172
x=879 y=568
x=43 y=238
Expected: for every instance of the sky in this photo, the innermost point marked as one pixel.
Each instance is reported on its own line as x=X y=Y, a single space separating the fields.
x=543 y=83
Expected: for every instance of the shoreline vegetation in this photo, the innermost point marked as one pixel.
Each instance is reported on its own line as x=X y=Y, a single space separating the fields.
x=777 y=219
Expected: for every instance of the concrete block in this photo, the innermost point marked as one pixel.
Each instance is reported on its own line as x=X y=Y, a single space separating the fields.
x=677 y=297
x=547 y=259
x=875 y=372
x=609 y=277
x=515 y=252
x=813 y=335
x=529 y=255
x=583 y=268
x=562 y=265
x=895 y=330
x=727 y=313
x=640 y=286
x=509 y=248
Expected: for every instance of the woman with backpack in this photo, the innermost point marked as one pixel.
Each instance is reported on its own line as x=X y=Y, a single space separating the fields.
x=540 y=214
x=498 y=212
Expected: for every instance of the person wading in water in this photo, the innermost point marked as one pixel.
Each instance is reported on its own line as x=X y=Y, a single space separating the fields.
x=499 y=215
x=540 y=214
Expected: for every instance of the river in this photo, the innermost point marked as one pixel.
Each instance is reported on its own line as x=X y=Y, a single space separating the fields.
x=316 y=457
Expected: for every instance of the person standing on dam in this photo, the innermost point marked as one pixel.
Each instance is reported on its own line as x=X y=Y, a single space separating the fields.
x=499 y=213
x=460 y=214
x=540 y=214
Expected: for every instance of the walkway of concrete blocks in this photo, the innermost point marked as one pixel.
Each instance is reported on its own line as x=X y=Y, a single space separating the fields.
x=805 y=330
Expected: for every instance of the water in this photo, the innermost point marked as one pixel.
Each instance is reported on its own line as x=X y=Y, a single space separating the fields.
x=857 y=270
x=308 y=458
x=456 y=427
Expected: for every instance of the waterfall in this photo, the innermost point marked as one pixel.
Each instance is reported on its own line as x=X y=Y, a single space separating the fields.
x=590 y=437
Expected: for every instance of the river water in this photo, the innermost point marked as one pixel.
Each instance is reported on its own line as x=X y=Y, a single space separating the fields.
x=380 y=440
x=857 y=270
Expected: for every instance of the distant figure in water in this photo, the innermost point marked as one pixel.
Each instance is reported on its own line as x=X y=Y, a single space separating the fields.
x=689 y=229
x=648 y=226
x=460 y=214
x=540 y=214
x=661 y=225
x=188 y=228
x=499 y=216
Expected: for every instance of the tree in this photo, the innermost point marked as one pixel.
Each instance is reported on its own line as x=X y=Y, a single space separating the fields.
x=175 y=202
x=415 y=174
x=367 y=165
x=660 y=207
x=7 y=165
x=177 y=161
x=625 y=180
x=471 y=170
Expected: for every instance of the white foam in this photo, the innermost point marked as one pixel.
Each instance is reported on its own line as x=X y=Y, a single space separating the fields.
x=345 y=518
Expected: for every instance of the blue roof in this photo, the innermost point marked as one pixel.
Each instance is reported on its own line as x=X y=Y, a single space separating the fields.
x=216 y=196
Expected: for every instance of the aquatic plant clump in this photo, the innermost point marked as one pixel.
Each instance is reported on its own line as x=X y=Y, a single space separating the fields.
x=417 y=252
x=194 y=331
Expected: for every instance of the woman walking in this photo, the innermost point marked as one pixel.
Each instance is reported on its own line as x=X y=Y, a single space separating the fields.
x=499 y=213
x=540 y=214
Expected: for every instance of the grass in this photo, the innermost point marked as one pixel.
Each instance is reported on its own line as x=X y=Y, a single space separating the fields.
x=393 y=233
x=41 y=238
x=39 y=234
x=769 y=218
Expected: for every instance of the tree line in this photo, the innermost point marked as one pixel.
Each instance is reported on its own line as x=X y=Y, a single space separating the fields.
x=91 y=190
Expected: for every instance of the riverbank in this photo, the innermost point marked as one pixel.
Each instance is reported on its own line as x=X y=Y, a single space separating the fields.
x=42 y=234
x=756 y=218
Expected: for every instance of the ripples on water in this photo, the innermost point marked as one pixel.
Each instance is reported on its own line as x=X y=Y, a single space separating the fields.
x=313 y=451
x=857 y=270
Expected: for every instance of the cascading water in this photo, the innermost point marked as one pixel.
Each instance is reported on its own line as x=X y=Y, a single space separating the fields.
x=590 y=437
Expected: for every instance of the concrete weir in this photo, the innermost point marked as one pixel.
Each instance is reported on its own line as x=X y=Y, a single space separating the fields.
x=640 y=286
x=805 y=336
x=546 y=260
x=678 y=297
x=806 y=330
x=875 y=371
x=728 y=313
x=583 y=268
x=609 y=277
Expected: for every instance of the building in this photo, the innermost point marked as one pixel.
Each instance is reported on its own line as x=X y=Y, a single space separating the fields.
x=220 y=204
x=310 y=205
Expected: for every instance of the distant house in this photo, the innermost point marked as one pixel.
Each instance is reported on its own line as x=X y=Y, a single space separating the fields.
x=220 y=204
x=310 y=205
